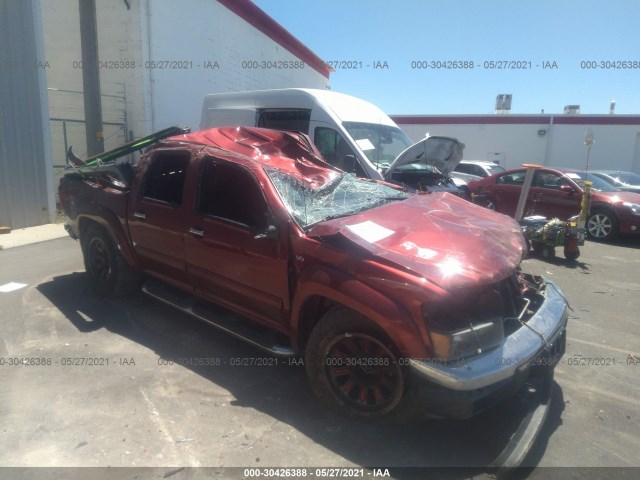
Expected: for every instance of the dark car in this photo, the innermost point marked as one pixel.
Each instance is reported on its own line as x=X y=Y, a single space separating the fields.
x=558 y=193
x=625 y=181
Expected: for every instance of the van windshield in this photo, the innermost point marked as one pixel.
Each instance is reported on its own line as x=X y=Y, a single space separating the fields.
x=380 y=143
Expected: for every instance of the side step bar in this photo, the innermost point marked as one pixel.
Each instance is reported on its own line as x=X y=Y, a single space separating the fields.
x=218 y=317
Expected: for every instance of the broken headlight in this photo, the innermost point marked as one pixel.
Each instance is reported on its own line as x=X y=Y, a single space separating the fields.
x=451 y=346
x=467 y=327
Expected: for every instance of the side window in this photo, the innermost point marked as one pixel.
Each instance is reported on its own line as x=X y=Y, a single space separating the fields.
x=295 y=120
x=335 y=149
x=165 y=177
x=232 y=193
x=478 y=170
x=463 y=168
x=514 y=178
x=544 y=179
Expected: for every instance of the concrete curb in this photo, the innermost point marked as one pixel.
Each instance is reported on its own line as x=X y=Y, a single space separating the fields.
x=27 y=236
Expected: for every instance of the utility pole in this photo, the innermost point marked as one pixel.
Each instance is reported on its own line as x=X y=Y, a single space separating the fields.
x=91 y=77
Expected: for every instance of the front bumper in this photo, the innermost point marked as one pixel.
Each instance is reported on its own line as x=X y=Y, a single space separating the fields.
x=464 y=388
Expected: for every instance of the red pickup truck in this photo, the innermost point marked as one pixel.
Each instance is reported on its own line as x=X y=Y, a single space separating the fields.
x=392 y=298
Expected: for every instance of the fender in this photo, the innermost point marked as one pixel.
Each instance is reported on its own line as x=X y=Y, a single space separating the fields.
x=91 y=212
x=392 y=318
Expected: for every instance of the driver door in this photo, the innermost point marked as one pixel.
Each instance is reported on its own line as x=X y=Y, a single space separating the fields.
x=230 y=259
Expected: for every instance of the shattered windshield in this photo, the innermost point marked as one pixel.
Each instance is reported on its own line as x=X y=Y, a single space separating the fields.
x=380 y=143
x=342 y=196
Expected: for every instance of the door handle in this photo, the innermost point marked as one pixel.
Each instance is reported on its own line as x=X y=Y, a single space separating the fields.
x=196 y=232
x=140 y=215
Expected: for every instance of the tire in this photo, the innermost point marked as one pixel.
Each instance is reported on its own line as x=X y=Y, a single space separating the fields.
x=109 y=273
x=602 y=225
x=571 y=255
x=489 y=204
x=359 y=390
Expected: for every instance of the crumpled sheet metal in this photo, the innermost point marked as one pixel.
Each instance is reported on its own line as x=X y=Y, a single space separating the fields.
x=444 y=239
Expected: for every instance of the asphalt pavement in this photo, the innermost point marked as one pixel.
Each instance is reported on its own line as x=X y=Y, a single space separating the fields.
x=88 y=382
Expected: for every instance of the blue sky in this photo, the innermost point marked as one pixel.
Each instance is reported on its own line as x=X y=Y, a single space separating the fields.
x=398 y=32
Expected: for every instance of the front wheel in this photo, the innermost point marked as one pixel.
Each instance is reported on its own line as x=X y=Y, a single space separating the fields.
x=602 y=225
x=352 y=367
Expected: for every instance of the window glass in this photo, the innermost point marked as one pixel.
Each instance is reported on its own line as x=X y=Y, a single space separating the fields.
x=165 y=177
x=550 y=180
x=232 y=193
x=465 y=168
x=380 y=143
x=513 y=178
x=293 y=120
x=336 y=150
x=342 y=196
x=493 y=168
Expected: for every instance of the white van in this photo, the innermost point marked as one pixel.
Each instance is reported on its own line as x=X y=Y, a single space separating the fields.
x=353 y=135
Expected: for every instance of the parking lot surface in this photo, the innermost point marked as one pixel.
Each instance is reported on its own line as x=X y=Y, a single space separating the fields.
x=88 y=382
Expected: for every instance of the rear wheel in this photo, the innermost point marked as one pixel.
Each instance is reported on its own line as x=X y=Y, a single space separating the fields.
x=107 y=268
x=353 y=367
x=602 y=225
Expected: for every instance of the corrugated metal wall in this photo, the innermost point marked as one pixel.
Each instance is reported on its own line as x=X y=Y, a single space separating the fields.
x=26 y=185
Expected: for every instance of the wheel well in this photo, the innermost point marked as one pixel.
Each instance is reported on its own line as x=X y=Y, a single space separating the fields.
x=311 y=312
x=602 y=209
x=84 y=224
x=315 y=308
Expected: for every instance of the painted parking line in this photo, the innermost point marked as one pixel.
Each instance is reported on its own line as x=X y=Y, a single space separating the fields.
x=11 y=287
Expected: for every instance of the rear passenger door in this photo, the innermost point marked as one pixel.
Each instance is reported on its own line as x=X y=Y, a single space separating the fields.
x=506 y=191
x=230 y=258
x=157 y=215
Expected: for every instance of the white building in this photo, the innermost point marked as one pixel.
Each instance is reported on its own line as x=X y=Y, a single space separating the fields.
x=159 y=58
x=554 y=140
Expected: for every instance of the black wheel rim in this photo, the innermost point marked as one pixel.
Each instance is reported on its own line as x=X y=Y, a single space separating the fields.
x=364 y=373
x=99 y=261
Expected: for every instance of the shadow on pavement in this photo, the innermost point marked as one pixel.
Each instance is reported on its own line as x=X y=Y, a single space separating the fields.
x=283 y=393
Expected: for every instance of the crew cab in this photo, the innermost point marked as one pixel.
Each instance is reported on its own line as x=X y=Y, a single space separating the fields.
x=392 y=298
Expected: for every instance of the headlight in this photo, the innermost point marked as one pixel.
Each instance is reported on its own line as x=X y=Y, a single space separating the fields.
x=467 y=342
x=635 y=208
x=470 y=324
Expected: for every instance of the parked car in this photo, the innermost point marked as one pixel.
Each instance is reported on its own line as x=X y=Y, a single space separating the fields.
x=479 y=168
x=625 y=181
x=461 y=180
x=558 y=193
x=389 y=296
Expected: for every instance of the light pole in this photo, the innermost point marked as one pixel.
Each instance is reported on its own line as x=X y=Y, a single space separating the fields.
x=588 y=141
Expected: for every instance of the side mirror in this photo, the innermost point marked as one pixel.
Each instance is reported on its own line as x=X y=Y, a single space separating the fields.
x=567 y=189
x=271 y=233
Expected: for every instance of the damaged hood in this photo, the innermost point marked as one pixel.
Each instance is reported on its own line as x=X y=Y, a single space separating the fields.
x=446 y=240
x=444 y=153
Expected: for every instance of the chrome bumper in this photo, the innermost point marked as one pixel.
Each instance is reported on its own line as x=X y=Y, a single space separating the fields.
x=515 y=353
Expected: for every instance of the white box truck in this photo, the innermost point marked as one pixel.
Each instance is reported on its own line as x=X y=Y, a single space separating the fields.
x=352 y=134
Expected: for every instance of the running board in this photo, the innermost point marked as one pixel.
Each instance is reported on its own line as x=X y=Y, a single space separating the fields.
x=218 y=317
